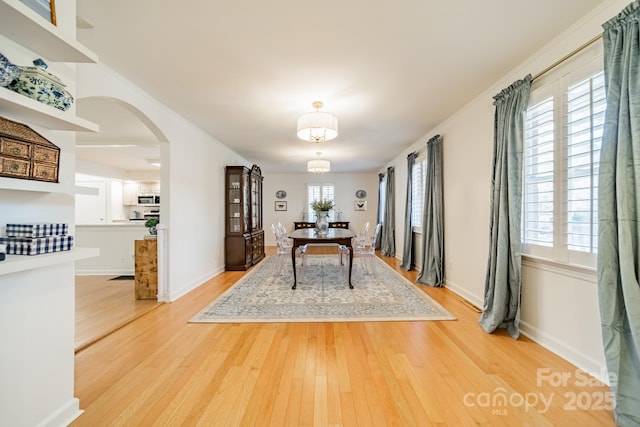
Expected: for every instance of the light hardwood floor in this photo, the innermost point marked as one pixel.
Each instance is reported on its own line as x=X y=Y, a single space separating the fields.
x=103 y=306
x=161 y=370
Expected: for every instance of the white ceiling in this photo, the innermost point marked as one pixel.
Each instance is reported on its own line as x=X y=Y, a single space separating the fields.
x=244 y=71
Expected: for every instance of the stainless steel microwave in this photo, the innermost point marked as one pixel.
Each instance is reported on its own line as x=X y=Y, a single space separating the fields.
x=148 y=200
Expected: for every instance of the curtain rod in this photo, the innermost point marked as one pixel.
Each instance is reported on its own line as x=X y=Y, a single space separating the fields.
x=567 y=56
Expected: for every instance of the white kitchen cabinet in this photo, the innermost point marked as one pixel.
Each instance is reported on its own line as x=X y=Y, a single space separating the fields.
x=149 y=187
x=130 y=194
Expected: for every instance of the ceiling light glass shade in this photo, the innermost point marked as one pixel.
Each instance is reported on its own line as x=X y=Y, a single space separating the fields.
x=317 y=126
x=318 y=166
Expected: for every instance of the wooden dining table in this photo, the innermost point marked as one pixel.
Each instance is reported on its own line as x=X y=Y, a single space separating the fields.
x=306 y=236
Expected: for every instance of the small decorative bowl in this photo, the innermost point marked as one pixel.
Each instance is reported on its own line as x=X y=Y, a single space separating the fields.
x=8 y=71
x=39 y=84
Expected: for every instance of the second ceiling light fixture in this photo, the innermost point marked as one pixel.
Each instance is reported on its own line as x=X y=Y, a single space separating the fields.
x=318 y=166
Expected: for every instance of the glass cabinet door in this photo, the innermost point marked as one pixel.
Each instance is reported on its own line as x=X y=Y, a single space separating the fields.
x=245 y=206
x=235 y=202
x=259 y=203
x=254 y=202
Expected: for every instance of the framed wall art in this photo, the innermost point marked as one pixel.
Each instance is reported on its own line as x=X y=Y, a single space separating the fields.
x=44 y=8
x=360 y=205
x=280 y=205
x=361 y=194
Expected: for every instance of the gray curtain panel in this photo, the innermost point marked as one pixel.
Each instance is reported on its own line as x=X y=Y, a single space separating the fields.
x=432 y=272
x=407 y=253
x=619 y=213
x=388 y=244
x=503 y=281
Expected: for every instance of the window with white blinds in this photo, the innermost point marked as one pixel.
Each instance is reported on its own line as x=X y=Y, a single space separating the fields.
x=537 y=212
x=563 y=133
x=383 y=199
x=585 y=119
x=417 y=194
x=319 y=192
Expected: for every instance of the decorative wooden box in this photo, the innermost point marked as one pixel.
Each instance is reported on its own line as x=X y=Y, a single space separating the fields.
x=26 y=154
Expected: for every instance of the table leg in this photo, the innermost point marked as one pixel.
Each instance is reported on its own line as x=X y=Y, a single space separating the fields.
x=293 y=261
x=350 y=265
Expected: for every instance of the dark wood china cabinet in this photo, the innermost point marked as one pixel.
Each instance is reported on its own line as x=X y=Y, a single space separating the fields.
x=244 y=235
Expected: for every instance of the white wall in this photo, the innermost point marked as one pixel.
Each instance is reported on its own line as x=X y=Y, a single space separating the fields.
x=559 y=305
x=192 y=181
x=37 y=360
x=346 y=184
x=116 y=244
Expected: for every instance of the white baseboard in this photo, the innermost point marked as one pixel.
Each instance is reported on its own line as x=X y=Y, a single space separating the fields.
x=64 y=415
x=588 y=364
x=174 y=294
x=473 y=299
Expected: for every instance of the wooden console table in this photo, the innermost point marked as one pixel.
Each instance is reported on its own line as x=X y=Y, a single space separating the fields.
x=297 y=225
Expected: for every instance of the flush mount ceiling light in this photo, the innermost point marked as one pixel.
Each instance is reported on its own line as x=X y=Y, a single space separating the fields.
x=317 y=126
x=318 y=166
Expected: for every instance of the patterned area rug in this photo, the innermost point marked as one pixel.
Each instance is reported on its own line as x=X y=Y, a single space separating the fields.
x=322 y=295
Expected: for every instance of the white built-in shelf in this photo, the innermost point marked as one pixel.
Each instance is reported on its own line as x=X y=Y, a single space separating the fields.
x=24 y=26
x=18 y=263
x=20 y=108
x=44 y=187
x=29 y=185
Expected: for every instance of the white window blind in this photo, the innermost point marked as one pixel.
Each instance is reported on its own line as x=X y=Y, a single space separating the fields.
x=563 y=134
x=538 y=174
x=585 y=120
x=383 y=198
x=417 y=193
x=319 y=192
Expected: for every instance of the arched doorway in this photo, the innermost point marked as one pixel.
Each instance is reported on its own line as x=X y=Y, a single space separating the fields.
x=125 y=150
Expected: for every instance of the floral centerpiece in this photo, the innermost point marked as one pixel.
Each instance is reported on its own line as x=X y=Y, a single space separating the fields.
x=322 y=205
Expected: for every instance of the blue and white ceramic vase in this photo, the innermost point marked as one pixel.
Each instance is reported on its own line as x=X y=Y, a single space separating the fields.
x=322 y=223
x=8 y=71
x=39 y=84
